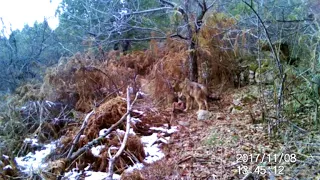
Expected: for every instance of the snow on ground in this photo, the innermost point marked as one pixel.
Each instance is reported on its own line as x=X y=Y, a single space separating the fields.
x=89 y=175
x=7 y=167
x=102 y=132
x=152 y=150
x=96 y=150
x=5 y=156
x=137 y=111
x=32 y=142
x=135 y=166
x=122 y=132
x=35 y=161
x=135 y=120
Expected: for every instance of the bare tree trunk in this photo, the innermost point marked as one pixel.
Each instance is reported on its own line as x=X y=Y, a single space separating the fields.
x=193 y=21
x=193 y=66
x=193 y=62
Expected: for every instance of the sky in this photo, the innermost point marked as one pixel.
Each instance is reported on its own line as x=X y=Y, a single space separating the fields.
x=21 y=12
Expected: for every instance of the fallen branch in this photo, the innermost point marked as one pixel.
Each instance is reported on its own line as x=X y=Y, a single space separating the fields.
x=76 y=139
x=95 y=141
x=125 y=139
x=71 y=157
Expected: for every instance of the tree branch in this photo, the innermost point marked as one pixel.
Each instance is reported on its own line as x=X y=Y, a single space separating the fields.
x=175 y=6
x=148 y=11
x=98 y=139
x=125 y=138
x=268 y=37
x=76 y=139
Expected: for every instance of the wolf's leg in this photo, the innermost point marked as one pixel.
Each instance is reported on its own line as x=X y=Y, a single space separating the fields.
x=199 y=102
x=206 y=103
x=191 y=103
x=187 y=103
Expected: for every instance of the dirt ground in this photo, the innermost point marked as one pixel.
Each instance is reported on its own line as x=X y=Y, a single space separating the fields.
x=227 y=146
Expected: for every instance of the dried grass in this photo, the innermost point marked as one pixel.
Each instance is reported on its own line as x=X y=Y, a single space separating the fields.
x=106 y=115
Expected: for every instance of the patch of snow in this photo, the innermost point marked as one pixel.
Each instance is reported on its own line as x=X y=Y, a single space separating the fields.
x=33 y=142
x=137 y=111
x=89 y=175
x=5 y=157
x=50 y=103
x=142 y=93
x=82 y=136
x=135 y=120
x=34 y=161
x=122 y=132
x=132 y=132
x=113 y=148
x=153 y=152
x=137 y=166
x=97 y=150
x=103 y=132
x=7 y=167
x=172 y=130
x=163 y=140
x=73 y=174
x=23 y=108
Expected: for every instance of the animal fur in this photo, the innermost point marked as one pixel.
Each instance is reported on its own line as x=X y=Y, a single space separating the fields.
x=193 y=91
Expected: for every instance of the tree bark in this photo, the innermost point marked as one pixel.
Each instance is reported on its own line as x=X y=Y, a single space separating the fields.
x=193 y=66
x=193 y=62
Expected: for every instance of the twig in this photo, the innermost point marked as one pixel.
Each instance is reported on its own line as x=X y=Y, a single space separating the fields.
x=76 y=139
x=90 y=68
x=95 y=141
x=125 y=139
x=80 y=151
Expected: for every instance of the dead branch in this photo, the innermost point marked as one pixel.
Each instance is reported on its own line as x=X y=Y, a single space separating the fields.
x=90 y=68
x=72 y=157
x=126 y=135
x=76 y=139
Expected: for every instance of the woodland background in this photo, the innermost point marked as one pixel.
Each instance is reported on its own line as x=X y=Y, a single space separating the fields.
x=102 y=46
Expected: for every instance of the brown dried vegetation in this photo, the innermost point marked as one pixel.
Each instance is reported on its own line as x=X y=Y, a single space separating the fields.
x=106 y=115
x=85 y=83
x=216 y=60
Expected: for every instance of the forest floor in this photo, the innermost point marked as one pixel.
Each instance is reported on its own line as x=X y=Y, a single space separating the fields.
x=229 y=145
x=232 y=144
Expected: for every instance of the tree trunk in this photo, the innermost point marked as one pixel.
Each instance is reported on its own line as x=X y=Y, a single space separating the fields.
x=193 y=63
x=193 y=66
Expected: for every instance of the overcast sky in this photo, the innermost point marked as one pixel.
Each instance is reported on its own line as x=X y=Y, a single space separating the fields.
x=21 y=12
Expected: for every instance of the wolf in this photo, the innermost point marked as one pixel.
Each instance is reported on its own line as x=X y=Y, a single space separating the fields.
x=193 y=91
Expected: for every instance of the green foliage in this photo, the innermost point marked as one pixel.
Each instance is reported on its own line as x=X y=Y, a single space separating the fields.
x=24 y=54
x=238 y=8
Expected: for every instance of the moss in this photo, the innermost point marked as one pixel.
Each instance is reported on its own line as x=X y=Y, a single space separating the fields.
x=265 y=64
x=262 y=70
x=249 y=99
x=239 y=108
x=253 y=66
